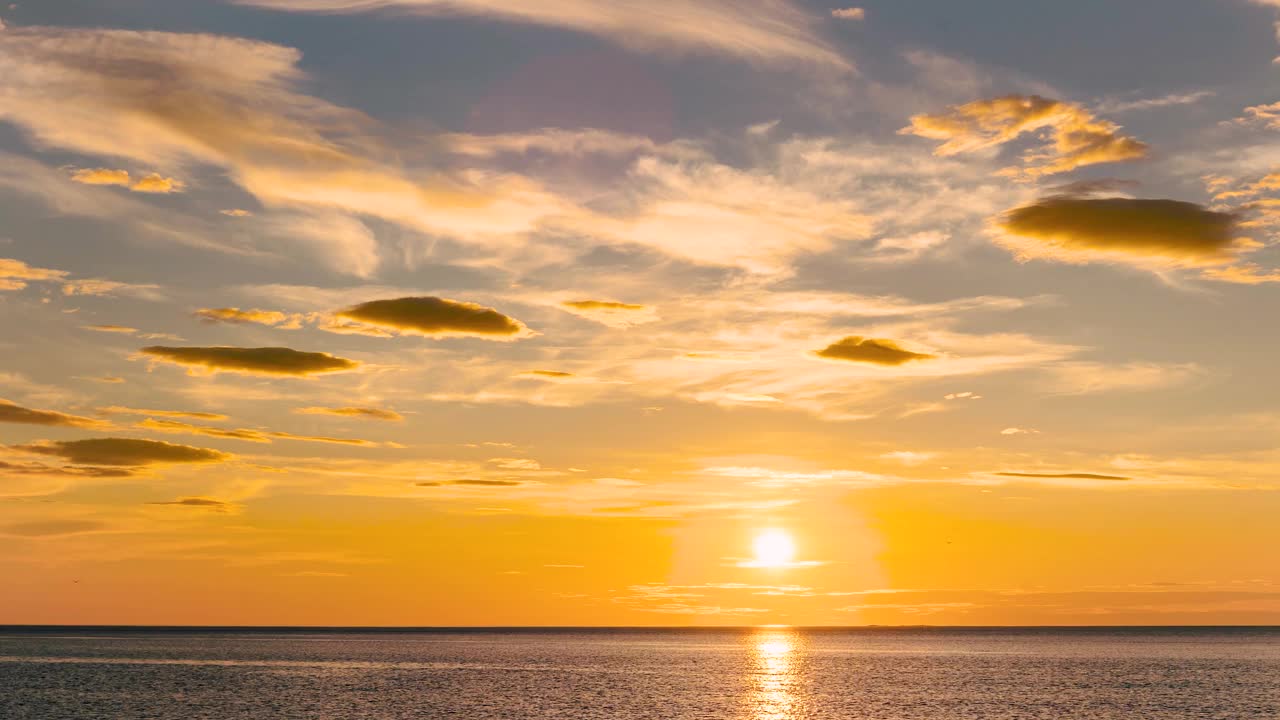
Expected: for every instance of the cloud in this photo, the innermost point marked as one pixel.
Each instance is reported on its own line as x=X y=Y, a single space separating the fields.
x=127 y=452
x=1161 y=233
x=1019 y=431
x=246 y=434
x=14 y=413
x=611 y=313
x=264 y=361
x=355 y=412
x=1077 y=137
x=171 y=100
x=101 y=176
x=547 y=374
x=236 y=212
x=850 y=13
x=66 y=471
x=119 y=329
x=1062 y=476
x=152 y=183
x=602 y=305
x=868 y=350
x=15 y=273
x=284 y=321
x=758 y=30
x=156 y=183
x=471 y=483
x=182 y=428
x=119 y=410
x=435 y=316
x=105 y=288
x=199 y=502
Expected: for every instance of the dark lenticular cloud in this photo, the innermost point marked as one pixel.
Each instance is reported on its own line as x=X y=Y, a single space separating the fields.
x=264 y=361
x=434 y=316
x=126 y=452
x=1084 y=228
x=869 y=350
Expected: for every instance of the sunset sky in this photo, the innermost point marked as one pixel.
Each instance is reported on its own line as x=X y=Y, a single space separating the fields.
x=483 y=312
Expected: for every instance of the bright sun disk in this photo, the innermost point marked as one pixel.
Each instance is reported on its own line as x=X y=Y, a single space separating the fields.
x=774 y=548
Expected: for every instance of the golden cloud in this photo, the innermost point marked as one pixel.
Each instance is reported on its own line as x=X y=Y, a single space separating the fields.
x=263 y=361
x=119 y=410
x=14 y=413
x=601 y=305
x=436 y=317
x=284 y=321
x=15 y=273
x=182 y=428
x=42 y=470
x=357 y=412
x=1084 y=229
x=611 y=313
x=547 y=374
x=152 y=183
x=128 y=452
x=156 y=183
x=101 y=176
x=246 y=434
x=869 y=350
x=121 y=329
x=1077 y=137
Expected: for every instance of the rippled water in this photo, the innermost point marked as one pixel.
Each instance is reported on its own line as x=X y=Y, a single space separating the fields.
x=768 y=673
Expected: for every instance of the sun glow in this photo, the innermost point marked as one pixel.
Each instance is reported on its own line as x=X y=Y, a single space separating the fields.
x=774 y=548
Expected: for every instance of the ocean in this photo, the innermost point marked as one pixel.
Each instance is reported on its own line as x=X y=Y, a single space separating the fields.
x=620 y=674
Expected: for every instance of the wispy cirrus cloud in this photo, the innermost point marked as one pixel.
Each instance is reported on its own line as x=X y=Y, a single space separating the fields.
x=767 y=31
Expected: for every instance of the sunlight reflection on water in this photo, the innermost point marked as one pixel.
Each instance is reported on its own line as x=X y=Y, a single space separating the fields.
x=774 y=693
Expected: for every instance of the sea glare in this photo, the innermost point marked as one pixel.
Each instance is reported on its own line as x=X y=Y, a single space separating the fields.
x=758 y=673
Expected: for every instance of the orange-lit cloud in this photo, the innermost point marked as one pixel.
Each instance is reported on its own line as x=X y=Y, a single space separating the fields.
x=119 y=410
x=14 y=274
x=118 y=329
x=355 y=412
x=435 y=316
x=265 y=361
x=151 y=183
x=128 y=452
x=245 y=434
x=13 y=413
x=869 y=350
x=284 y=321
x=1078 y=138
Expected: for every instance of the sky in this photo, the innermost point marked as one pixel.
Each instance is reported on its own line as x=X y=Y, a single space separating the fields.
x=415 y=312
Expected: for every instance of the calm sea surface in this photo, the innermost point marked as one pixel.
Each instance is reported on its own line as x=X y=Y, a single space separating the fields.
x=620 y=674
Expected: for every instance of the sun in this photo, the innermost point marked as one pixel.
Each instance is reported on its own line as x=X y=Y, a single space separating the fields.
x=774 y=548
